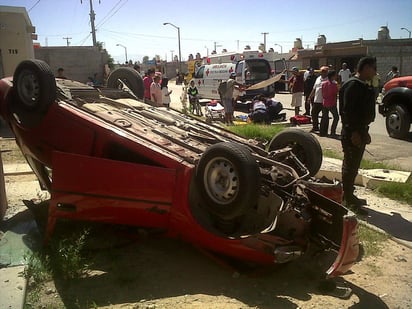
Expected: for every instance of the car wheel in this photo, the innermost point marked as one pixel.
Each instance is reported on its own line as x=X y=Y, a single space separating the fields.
x=130 y=77
x=398 y=121
x=229 y=179
x=304 y=145
x=34 y=91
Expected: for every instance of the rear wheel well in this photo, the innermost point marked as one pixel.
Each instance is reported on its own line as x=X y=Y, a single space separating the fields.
x=398 y=99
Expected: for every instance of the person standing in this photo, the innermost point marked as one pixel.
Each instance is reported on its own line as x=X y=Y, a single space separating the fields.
x=329 y=94
x=147 y=82
x=393 y=73
x=165 y=92
x=193 y=94
x=316 y=94
x=227 y=98
x=357 y=109
x=156 y=92
x=344 y=74
x=307 y=72
x=307 y=89
x=296 y=84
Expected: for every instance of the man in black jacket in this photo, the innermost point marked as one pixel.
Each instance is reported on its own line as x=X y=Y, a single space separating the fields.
x=357 y=109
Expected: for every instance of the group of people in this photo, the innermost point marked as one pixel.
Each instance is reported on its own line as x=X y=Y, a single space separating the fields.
x=156 y=91
x=228 y=90
x=357 y=98
x=265 y=110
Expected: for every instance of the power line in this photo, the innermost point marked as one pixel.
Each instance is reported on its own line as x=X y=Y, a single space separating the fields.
x=34 y=5
x=107 y=17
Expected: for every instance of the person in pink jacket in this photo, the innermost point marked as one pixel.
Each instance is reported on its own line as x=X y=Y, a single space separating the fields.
x=329 y=104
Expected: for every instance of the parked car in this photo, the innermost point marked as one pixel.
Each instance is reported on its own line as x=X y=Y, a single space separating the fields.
x=106 y=156
x=396 y=106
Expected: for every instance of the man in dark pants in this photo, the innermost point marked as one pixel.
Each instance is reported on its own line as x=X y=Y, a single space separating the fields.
x=357 y=109
x=316 y=94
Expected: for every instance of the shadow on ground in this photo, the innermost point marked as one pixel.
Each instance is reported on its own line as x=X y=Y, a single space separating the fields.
x=394 y=224
x=151 y=268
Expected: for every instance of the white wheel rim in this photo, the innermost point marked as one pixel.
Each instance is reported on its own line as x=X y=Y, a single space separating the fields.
x=221 y=180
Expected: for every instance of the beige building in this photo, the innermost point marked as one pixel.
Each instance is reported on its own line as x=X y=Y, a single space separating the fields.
x=16 y=38
x=388 y=52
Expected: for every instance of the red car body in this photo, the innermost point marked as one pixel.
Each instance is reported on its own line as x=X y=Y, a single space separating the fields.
x=107 y=157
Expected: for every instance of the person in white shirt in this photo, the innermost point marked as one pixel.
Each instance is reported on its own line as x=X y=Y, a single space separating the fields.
x=316 y=94
x=165 y=92
x=344 y=74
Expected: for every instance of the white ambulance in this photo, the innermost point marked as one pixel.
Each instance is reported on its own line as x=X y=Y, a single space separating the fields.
x=248 y=72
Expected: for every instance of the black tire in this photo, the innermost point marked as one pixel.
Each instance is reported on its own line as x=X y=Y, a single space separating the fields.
x=229 y=179
x=34 y=87
x=398 y=121
x=130 y=77
x=304 y=145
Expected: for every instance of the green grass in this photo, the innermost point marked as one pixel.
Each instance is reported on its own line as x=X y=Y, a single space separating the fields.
x=332 y=154
x=397 y=191
x=257 y=131
x=66 y=256
x=63 y=259
x=372 y=240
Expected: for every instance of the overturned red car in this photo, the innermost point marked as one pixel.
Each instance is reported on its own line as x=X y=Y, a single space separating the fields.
x=104 y=155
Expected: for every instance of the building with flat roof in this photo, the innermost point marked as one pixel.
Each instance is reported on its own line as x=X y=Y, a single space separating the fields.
x=388 y=52
x=16 y=38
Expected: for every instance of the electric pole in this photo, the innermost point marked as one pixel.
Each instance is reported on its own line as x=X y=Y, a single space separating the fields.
x=67 y=40
x=92 y=17
x=264 y=40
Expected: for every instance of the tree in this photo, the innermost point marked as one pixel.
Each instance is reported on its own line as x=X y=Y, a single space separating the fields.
x=145 y=59
x=110 y=60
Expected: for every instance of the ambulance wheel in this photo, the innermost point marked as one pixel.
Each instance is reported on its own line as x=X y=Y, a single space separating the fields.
x=229 y=179
x=304 y=145
x=130 y=77
x=34 y=87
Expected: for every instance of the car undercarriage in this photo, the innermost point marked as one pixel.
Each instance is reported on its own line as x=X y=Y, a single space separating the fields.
x=107 y=156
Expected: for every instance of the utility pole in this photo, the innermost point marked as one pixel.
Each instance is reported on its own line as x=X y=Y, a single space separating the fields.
x=264 y=40
x=67 y=40
x=92 y=17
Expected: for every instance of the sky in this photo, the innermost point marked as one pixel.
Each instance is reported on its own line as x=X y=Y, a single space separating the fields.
x=204 y=25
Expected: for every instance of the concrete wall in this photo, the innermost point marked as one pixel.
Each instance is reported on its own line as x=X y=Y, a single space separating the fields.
x=78 y=62
x=16 y=40
x=392 y=52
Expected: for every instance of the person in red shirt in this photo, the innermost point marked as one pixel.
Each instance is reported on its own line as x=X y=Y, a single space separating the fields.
x=296 y=83
x=147 y=81
x=329 y=104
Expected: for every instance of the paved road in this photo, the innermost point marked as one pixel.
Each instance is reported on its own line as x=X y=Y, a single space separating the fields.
x=383 y=148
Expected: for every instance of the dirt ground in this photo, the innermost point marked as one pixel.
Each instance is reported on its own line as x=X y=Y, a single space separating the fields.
x=139 y=270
